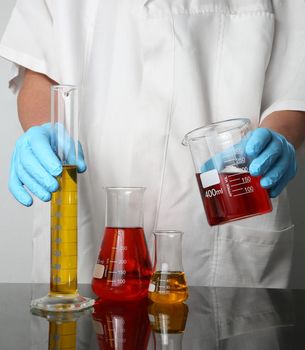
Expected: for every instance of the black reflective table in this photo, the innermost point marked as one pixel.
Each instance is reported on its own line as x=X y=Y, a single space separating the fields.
x=213 y=318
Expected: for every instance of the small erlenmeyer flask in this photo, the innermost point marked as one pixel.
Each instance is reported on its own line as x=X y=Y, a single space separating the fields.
x=168 y=283
x=123 y=268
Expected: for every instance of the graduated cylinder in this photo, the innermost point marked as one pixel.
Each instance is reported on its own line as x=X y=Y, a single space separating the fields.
x=63 y=294
x=64 y=202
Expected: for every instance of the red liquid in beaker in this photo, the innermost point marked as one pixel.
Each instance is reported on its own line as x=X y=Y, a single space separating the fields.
x=236 y=196
x=123 y=269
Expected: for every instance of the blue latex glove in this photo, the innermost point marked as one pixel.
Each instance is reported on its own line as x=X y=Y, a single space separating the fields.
x=218 y=162
x=273 y=157
x=35 y=166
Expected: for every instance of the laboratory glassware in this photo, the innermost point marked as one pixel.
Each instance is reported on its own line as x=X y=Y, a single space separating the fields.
x=167 y=322
x=63 y=294
x=168 y=283
x=121 y=325
x=227 y=189
x=123 y=267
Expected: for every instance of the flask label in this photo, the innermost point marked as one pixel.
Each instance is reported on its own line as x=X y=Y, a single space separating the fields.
x=151 y=287
x=99 y=271
x=209 y=178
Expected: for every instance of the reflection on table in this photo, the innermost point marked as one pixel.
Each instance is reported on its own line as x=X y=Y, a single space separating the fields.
x=212 y=318
x=121 y=325
x=167 y=322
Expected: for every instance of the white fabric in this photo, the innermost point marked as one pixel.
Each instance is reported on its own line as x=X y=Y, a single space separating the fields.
x=150 y=71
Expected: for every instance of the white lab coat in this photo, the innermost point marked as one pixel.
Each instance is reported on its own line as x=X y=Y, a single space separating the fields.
x=150 y=71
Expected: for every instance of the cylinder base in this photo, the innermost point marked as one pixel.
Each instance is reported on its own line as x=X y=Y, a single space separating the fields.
x=61 y=303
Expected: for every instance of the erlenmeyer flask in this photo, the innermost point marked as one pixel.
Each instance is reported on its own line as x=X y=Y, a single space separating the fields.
x=123 y=268
x=168 y=283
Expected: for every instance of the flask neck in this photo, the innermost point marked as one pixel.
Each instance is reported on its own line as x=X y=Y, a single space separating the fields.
x=168 y=251
x=124 y=207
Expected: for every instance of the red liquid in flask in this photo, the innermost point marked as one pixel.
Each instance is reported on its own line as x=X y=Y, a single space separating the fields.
x=236 y=196
x=123 y=268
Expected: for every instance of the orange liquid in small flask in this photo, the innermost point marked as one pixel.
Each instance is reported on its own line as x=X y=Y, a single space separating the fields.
x=168 y=283
x=123 y=268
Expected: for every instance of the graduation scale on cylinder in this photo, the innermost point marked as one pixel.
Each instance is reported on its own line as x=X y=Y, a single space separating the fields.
x=63 y=294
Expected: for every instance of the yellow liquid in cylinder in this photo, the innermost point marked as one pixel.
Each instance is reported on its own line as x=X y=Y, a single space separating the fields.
x=62 y=336
x=168 y=287
x=64 y=234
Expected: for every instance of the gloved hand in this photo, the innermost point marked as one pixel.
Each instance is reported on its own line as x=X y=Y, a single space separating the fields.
x=35 y=166
x=273 y=158
x=219 y=160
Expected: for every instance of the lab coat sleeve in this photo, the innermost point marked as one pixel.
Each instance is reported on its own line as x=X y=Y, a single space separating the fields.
x=28 y=41
x=285 y=76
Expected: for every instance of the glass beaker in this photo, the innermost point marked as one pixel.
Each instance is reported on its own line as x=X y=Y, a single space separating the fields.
x=63 y=295
x=123 y=268
x=168 y=283
x=227 y=189
x=121 y=325
x=168 y=322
